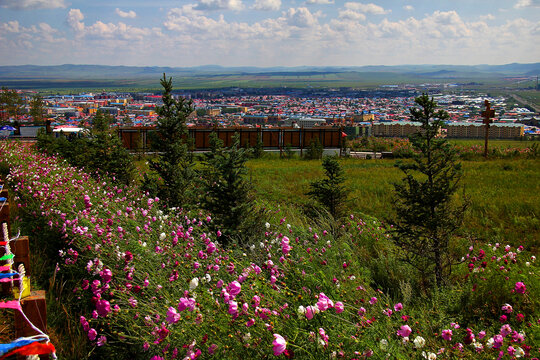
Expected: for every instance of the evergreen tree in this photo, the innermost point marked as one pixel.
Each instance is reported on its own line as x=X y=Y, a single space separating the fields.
x=226 y=191
x=258 y=149
x=427 y=215
x=174 y=163
x=315 y=150
x=330 y=191
x=10 y=102
x=36 y=109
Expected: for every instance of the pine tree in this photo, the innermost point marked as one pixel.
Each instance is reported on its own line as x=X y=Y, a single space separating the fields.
x=427 y=214
x=36 y=109
x=174 y=163
x=227 y=193
x=330 y=191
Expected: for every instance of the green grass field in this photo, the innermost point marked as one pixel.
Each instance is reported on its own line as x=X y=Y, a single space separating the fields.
x=504 y=193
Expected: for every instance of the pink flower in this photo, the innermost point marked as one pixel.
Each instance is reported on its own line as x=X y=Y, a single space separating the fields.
x=373 y=300
x=102 y=340
x=186 y=303
x=506 y=330
x=92 y=334
x=103 y=307
x=172 y=316
x=447 y=334
x=310 y=311
x=398 y=307
x=234 y=288
x=339 y=307
x=507 y=308
x=279 y=345
x=404 y=331
x=324 y=302
x=233 y=308
x=520 y=287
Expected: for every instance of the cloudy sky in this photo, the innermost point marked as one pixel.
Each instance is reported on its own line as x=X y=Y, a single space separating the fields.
x=268 y=32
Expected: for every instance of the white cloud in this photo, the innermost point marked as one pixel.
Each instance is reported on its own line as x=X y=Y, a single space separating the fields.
x=527 y=3
x=486 y=17
x=32 y=4
x=219 y=5
x=366 y=8
x=351 y=15
x=319 y=2
x=302 y=17
x=266 y=5
x=10 y=27
x=129 y=14
x=101 y=30
x=74 y=19
x=408 y=7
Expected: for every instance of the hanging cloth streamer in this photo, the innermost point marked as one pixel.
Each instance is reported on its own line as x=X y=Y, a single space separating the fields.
x=7 y=257
x=3 y=243
x=13 y=304
x=6 y=348
x=7 y=275
x=35 y=348
x=5 y=268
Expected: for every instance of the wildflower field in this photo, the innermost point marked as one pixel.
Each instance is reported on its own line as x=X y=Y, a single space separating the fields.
x=139 y=283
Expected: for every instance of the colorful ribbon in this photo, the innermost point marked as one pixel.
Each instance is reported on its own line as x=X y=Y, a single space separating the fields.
x=7 y=257
x=34 y=348
x=5 y=268
x=7 y=275
x=12 y=304
x=5 y=348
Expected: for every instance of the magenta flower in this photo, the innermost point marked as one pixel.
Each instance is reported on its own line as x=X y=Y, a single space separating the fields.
x=310 y=311
x=404 y=331
x=339 y=307
x=506 y=330
x=233 y=308
x=234 y=288
x=186 y=303
x=520 y=287
x=103 y=307
x=447 y=334
x=102 y=340
x=92 y=334
x=373 y=300
x=172 y=316
x=398 y=307
x=279 y=345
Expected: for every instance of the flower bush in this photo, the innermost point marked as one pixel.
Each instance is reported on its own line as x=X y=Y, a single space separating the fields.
x=158 y=285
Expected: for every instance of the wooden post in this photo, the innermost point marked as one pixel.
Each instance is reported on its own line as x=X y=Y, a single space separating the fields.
x=487 y=114
x=21 y=249
x=35 y=309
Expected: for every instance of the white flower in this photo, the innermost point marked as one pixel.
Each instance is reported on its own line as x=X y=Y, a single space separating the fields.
x=519 y=352
x=246 y=337
x=193 y=283
x=490 y=343
x=432 y=356
x=419 y=342
x=301 y=310
x=267 y=225
x=383 y=344
x=252 y=247
x=289 y=226
x=162 y=236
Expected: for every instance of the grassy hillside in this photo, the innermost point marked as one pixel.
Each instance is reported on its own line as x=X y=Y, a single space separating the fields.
x=504 y=193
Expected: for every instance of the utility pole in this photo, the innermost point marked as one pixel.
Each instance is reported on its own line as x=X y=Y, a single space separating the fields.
x=488 y=115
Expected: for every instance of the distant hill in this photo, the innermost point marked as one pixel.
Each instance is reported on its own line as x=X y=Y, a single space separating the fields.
x=95 y=76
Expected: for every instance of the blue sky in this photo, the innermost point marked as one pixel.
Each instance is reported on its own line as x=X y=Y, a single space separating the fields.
x=269 y=32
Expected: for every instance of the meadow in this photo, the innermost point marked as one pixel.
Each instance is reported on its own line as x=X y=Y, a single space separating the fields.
x=126 y=280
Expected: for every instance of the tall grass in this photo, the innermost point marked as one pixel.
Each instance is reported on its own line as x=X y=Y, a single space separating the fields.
x=504 y=193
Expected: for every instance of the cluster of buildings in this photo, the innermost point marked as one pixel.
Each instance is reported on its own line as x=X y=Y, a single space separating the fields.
x=357 y=116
